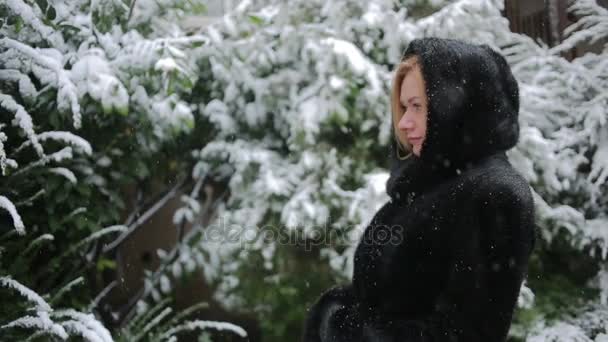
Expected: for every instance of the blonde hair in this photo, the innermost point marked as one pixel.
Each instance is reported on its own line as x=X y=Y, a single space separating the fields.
x=405 y=66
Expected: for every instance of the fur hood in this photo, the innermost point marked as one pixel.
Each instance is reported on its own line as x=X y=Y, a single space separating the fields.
x=472 y=114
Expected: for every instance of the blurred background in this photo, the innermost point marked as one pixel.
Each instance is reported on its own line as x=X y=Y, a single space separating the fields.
x=201 y=170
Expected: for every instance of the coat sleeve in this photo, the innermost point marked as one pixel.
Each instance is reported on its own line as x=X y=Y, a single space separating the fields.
x=333 y=317
x=507 y=238
x=487 y=268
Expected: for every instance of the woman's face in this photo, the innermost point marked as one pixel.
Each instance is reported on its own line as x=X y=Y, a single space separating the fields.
x=412 y=124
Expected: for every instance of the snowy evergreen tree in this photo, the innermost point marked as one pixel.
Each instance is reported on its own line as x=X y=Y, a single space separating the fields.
x=92 y=97
x=300 y=103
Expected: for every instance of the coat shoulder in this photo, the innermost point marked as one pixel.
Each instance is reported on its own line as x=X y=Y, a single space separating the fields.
x=503 y=184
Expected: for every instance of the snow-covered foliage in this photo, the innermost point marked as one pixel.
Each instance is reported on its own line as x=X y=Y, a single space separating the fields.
x=299 y=103
x=55 y=323
x=90 y=92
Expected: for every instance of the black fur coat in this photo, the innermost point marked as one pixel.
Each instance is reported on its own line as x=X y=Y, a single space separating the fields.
x=445 y=258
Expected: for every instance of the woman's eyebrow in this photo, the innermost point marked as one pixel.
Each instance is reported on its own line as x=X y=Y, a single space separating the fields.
x=411 y=99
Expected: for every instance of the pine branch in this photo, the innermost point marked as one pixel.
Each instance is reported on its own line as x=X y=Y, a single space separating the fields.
x=143 y=218
x=172 y=257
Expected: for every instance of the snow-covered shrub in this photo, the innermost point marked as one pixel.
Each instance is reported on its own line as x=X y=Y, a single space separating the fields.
x=93 y=96
x=300 y=106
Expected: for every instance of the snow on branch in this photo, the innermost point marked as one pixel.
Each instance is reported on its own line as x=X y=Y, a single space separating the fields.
x=41 y=322
x=558 y=332
x=5 y=203
x=37 y=242
x=62 y=136
x=4 y=160
x=59 y=156
x=154 y=322
x=526 y=297
x=22 y=119
x=591 y=26
x=459 y=18
x=26 y=87
x=78 y=328
x=66 y=90
x=41 y=304
x=358 y=62
x=66 y=288
x=64 y=172
x=94 y=236
x=86 y=321
x=596 y=234
x=21 y=9
x=599 y=169
x=138 y=53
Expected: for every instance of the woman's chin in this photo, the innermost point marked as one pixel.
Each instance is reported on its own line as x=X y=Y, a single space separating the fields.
x=416 y=151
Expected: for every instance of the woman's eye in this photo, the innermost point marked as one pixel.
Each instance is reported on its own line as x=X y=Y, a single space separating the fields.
x=417 y=107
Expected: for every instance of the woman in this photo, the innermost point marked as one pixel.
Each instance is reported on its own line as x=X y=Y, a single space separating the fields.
x=445 y=258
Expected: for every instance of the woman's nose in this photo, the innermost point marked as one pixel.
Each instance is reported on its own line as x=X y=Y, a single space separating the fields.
x=405 y=123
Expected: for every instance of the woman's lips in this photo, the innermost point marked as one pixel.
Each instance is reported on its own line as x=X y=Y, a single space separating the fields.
x=414 y=140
